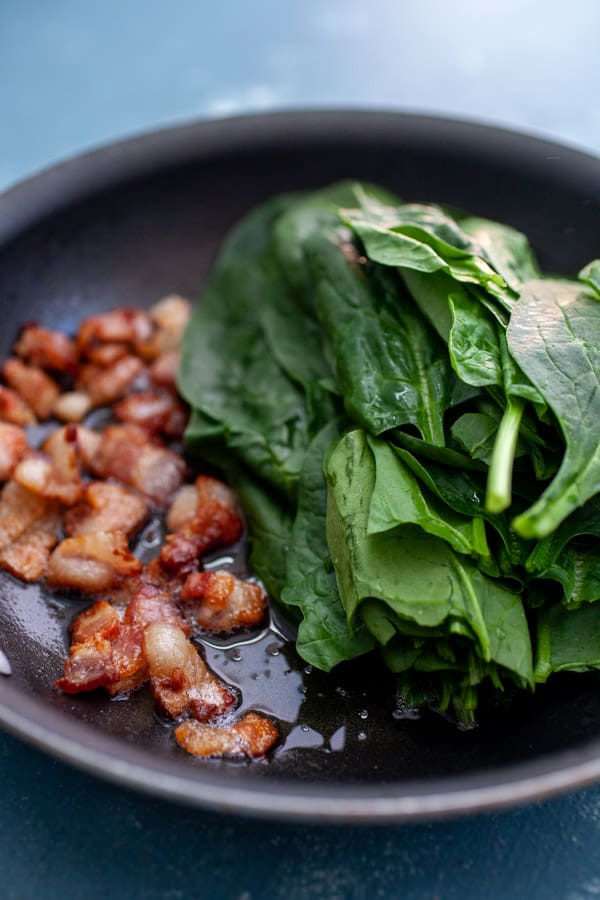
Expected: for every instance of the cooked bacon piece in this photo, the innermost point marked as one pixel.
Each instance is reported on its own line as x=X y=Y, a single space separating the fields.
x=128 y=454
x=73 y=406
x=224 y=602
x=57 y=477
x=164 y=369
x=13 y=447
x=154 y=411
x=106 y=385
x=27 y=557
x=179 y=678
x=252 y=736
x=107 y=507
x=114 y=663
x=154 y=601
x=119 y=326
x=105 y=355
x=101 y=619
x=19 y=509
x=33 y=385
x=92 y=562
x=47 y=349
x=13 y=409
x=87 y=442
x=216 y=523
x=170 y=316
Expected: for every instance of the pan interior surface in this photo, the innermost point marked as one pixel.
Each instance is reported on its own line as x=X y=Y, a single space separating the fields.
x=124 y=229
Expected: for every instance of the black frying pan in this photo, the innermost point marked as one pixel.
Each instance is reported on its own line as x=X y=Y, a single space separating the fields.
x=132 y=222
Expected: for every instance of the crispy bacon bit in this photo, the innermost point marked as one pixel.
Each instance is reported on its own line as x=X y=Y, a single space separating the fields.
x=105 y=355
x=56 y=478
x=92 y=562
x=19 y=509
x=127 y=453
x=114 y=663
x=119 y=326
x=252 y=736
x=179 y=678
x=106 y=507
x=47 y=349
x=106 y=385
x=216 y=523
x=100 y=619
x=170 y=316
x=27 y=558
x=154 y=601
x=13 y=409
x=224 y=602
x=13 y=447
x=164 y=370
x=73 y=406
x=154 y=411
x=33 y=385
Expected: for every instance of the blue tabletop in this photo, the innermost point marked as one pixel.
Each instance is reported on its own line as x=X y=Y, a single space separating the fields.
x=75 y=74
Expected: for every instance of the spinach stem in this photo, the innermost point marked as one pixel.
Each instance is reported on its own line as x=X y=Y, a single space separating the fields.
x=499 y=483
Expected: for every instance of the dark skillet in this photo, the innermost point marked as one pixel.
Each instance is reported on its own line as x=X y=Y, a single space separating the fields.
x=129 y=223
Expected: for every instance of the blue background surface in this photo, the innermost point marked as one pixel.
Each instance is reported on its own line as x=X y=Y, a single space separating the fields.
x=74 y=74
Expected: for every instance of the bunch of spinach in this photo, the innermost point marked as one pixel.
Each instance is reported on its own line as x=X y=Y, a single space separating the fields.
x=410 y=413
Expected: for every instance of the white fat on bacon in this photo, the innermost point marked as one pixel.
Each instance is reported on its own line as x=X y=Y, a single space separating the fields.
x=156 y=411
x=179 y=678
x=252 y=736
x=107 y=385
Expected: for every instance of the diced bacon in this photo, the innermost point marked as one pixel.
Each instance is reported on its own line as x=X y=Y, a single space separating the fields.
x=92 y=563
x=127 y=453
x=87 y=442
x=13 y=447
x=107 y=507
x=172 y=314
x=179 y=678
x=47 y=349
x=154 y=602
x=100 y=619
x=170 y=317
x=250 y=737
x=19 y=509
x=224 y=602
x=119 y=326
x=154 y=411
x=27 y=557
x=73 y=406
x=13 y=408
x=115 y=663
x=57 y=477
x=216 y=523
x=164 y=369
x=89 y=666
x=106 y=385
x=105 y=355
x=37 y=389
x=183 y=508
